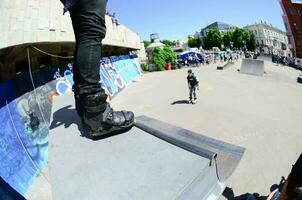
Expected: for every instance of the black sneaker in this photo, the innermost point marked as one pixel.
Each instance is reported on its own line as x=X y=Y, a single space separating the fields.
x=114 y=122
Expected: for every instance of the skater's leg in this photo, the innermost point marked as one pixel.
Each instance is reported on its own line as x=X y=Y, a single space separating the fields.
x=88 y=18
x=78 y=106
x=87 y=23
x=191 y=94
x=194 y=93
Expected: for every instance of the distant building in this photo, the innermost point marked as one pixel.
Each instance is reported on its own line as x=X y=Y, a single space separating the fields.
x=221 y=26
x=269 y=39
x=181 y=45
x=293 y=22
x=155 y=42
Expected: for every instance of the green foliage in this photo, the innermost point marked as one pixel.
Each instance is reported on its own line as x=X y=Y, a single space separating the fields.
x=194 y=42
x=159 y=59
x=213 y=39
x=251 y=43
x=227 y=38
x=240 y=37
x=145 y=67
x=147 y=43
x=168 y=43
x=170 y=55
x=163 y=56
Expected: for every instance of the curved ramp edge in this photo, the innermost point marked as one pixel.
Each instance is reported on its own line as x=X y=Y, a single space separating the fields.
x=25 y=110
x=226 y=156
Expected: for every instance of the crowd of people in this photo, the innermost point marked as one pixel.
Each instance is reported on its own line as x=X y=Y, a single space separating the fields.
x=287 y=60
x=196 y=59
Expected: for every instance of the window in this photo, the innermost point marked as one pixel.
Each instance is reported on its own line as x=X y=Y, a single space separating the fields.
x=299 y=12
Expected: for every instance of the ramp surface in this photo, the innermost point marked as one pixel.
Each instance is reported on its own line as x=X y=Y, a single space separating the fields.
x=252 y=67
x=225 y=155
x=133 y=166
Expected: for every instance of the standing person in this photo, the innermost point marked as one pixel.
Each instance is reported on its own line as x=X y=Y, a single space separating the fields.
x=193 y=85
x=221 y=57
x=88 y=21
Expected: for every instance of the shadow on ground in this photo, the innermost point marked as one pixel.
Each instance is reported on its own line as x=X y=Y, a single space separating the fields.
x=229 y=193
x=180 y=102
x=67 y=116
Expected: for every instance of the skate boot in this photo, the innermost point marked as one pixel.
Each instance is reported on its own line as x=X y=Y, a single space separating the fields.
x=114 y=122
x=78 y=105
x=194 y=101
x=100 y=120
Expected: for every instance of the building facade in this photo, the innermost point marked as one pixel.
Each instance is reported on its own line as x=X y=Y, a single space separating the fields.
x=269 y=39
x=221 y=26
x=41 y=23
x=293 y=22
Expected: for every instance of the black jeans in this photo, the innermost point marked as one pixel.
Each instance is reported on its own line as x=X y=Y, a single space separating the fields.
x=88 y=20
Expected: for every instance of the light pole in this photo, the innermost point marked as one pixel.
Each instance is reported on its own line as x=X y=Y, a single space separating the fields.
x=232 y=45
x=244 y=45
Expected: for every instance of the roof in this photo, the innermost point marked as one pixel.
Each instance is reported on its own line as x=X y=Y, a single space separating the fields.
x=216 y=24
x=154 y=45
x=266 y=26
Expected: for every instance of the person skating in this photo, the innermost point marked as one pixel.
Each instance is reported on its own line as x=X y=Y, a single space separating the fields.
x=88 y=20
x=193 y=84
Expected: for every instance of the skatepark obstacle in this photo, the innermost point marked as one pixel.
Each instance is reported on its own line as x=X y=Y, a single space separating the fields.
x=252 y=67
x=154 y=160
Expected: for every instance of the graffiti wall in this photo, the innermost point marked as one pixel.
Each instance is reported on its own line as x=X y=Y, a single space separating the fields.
x=25 y=111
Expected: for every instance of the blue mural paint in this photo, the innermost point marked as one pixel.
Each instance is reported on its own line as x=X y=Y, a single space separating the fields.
x=25 y=111
x=115 y=74
x=62 y=87
x=15 y=166
x=6 y=93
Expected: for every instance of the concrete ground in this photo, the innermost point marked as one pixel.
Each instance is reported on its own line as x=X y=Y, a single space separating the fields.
x=262 y=114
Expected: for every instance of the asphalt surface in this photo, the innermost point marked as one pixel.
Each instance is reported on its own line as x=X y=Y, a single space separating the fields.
x=262 y=114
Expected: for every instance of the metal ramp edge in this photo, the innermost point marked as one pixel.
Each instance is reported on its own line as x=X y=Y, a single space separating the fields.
x=226 y=156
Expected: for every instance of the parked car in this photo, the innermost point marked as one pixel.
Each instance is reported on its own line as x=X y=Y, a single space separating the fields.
x=299 y=80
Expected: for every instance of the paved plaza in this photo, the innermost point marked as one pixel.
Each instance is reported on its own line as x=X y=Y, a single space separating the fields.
x=262 y=114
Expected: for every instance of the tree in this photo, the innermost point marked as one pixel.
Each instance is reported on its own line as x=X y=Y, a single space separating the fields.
x=227 y=39
x=213 y=39
x=168 y=43
x=170 y=55
x=194 y=42
x=241 y=37
x=162 y=56
x=159 y=58
x=147 y=43
x=251 y=43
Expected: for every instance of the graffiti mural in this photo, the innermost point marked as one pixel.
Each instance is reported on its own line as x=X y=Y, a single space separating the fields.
x=115 y=74
x=25 y=111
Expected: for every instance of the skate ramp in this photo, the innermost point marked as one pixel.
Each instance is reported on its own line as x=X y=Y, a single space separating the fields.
x=252 y=67
x=153 y=160
x=25 y=117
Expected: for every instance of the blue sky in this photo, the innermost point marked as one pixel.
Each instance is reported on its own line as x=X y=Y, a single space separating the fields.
x=175 y=19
